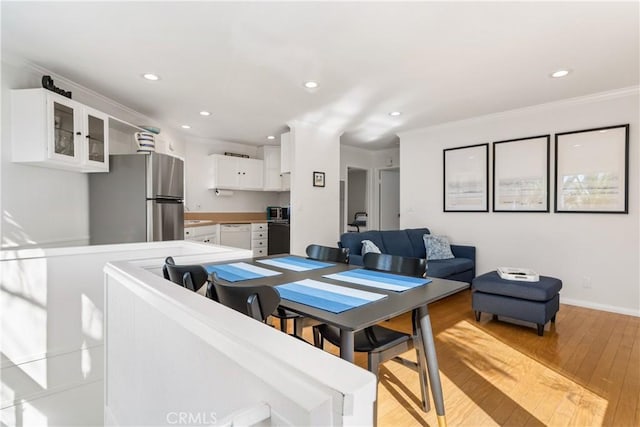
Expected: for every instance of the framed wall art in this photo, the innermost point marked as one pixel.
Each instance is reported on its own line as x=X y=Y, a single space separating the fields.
x=466 y=179
x=318 y=179
x=592 y=170
x=521 y=174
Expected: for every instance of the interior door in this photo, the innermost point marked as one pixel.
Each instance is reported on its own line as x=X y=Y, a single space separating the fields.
x=390 y=199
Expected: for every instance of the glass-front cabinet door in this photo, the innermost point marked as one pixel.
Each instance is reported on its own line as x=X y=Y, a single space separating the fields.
x=64 y=144
x=96 y=136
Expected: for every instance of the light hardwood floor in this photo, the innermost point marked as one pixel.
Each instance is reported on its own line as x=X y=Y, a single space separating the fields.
x=584 y=371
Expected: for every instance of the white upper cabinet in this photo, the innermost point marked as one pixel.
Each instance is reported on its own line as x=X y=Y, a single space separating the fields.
x=53 y=131
x=285 y=152
x=273 y=178
x=236 y=173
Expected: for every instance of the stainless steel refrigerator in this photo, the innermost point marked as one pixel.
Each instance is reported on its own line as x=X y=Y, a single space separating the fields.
x=139 y=200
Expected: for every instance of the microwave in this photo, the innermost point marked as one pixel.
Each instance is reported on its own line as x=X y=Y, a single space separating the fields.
x=277 y=213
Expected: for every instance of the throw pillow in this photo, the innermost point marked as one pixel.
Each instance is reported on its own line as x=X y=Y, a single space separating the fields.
x=369 y=246
x=437 y=247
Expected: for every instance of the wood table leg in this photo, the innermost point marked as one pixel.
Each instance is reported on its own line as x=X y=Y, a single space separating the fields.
x=432 y=364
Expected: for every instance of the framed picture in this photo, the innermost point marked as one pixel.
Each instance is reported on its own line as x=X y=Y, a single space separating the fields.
x=466 y=179
x=592 y=170
x=318 y=179
x=521 y=174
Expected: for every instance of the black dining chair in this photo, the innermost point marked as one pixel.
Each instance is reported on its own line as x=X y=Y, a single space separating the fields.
x=192 y=277
x=383 y=344
x=258 y=302
x=318 y=253
x=329 y=254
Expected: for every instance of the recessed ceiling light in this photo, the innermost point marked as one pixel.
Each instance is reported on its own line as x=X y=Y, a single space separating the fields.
x=311 y=84
x=560 y=73
x=205 y=113
x=395 y=113
x=185 y=127
x=271 y=137
x=151 y=76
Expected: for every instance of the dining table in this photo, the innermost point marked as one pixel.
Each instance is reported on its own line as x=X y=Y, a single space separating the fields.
x=385 y=304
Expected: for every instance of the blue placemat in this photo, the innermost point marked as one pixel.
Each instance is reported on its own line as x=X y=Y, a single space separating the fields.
x=326 y=296
x=379 y=279
x=238 y=271
x=295 y=263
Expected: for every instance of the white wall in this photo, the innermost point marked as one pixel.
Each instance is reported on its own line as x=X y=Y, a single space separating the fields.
x=199 y=198
x=43 y=206
x=39 y=205
x=595 y=255
x=314 y=209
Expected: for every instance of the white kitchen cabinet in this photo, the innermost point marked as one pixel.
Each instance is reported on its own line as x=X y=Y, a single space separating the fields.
x=204 y=234
x=259 y=238
x=51 y=130
x=236 y=173
x=285 y=152
x=274 y=180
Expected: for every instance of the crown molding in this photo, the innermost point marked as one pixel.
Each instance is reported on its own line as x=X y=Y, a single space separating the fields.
x=579 y=100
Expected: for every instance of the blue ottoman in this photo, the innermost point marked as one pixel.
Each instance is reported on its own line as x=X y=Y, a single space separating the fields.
x=536 y=302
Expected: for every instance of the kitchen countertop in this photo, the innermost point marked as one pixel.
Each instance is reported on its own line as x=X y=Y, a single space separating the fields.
x=201 y=219
x=201 y=223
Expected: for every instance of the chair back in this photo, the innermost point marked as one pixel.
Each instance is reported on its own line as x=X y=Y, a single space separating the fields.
x=407 y=266
x=258 y=302
x=192 y=277
x=326 y=253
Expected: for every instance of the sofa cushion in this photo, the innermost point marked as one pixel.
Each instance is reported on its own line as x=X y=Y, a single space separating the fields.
x=369 y=246
x=437 y=247
x=353 y=241
x=396 y=242
x=447 y=267
x=417 y=243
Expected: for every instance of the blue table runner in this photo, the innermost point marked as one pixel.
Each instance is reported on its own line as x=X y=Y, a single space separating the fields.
x=238 y=271
x=326 y=296
x=295 y=263
x=379 y=279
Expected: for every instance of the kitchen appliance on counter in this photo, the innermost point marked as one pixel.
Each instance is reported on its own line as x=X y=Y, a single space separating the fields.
x=278 y=213
x=139 y=200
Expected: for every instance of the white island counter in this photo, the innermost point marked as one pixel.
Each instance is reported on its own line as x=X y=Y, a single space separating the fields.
x=52 y=312
x=172 y=356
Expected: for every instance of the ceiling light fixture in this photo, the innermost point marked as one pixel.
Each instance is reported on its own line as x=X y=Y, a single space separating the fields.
x=395 y=113
x=205 y=113
x=311 y=84
x=151 y=76
x=185 y=127
x=560 y=73
x=271 y=137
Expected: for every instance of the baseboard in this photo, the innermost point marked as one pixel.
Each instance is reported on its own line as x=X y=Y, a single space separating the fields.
x=602 y=307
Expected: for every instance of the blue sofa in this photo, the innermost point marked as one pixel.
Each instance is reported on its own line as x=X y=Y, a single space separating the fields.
x=410 y=243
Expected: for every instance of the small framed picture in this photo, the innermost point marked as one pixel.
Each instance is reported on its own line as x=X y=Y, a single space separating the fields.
x=318 y=179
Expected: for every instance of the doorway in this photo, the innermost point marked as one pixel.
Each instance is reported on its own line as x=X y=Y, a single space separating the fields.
x=357 y=193
x=389 y=197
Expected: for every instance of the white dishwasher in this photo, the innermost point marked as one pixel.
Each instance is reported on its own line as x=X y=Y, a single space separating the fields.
x=236 y=235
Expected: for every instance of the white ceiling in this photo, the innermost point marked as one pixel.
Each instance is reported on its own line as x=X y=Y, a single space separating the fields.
x=246 y=62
